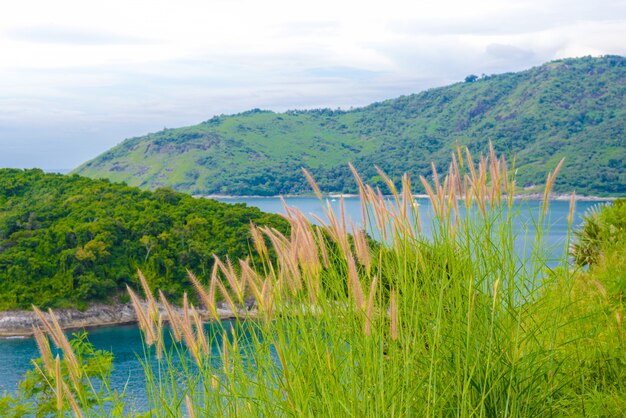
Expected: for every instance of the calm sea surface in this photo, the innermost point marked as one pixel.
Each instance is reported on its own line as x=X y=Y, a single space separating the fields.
x=125 y=341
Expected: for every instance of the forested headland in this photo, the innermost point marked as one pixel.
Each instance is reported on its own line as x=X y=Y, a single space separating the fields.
x=68 y=240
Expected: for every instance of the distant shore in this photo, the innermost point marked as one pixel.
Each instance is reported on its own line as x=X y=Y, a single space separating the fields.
x=529 y=196
x=19 y=323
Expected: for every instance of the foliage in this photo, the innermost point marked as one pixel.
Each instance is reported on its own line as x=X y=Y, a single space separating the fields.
x=69 y=240
x=457 y=323
x=36 y=395
x=603 y=230
x=574 y=108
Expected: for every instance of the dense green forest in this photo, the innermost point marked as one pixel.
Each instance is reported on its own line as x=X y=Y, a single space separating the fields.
x=573 y=108
x=67 y=240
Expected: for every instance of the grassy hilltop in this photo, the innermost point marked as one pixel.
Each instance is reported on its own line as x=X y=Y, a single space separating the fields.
x=574 y=108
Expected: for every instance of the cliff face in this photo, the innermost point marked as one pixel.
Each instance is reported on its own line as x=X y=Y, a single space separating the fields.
x=20 y=322
x=17 y=322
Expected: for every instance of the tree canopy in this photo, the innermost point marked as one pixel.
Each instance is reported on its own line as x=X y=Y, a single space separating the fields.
x=69 y=240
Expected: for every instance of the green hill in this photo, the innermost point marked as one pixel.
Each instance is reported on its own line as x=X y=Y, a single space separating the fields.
x=574 y=108
x=68 y=240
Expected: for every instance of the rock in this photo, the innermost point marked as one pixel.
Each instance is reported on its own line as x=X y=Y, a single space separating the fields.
x=20 y=322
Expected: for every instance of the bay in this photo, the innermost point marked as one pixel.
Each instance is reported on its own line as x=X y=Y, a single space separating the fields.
x=125 y=341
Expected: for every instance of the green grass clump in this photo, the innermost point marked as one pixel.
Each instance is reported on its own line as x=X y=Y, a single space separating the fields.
x=454 y=324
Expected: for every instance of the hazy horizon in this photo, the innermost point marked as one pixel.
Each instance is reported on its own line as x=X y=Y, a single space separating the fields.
x=77 y=78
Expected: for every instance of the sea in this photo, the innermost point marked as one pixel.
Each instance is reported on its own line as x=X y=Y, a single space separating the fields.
x=125 y=340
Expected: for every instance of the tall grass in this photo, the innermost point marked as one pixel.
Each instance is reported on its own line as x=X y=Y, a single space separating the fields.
x=456 y=323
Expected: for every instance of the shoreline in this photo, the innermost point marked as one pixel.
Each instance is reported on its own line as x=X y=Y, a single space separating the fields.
x=18 y=323
x=525 y=196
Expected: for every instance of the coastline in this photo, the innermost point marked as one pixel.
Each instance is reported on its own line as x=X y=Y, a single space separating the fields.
x=19 y=323
x=521 y=196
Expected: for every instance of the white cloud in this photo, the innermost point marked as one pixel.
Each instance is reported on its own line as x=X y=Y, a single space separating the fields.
x=85 y=75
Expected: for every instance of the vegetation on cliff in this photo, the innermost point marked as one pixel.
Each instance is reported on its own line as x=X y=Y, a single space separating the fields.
x=68 y=240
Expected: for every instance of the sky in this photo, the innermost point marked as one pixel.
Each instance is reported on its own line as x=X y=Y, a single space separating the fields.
x=78 y=77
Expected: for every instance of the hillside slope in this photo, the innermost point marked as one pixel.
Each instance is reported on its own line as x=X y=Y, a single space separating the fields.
x=574 y=108
x=69 y=240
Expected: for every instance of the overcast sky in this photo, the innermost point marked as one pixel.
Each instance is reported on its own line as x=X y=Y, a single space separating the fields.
x=77 y=77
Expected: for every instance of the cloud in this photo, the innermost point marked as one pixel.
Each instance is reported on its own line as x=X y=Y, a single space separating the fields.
x=47 y=34
x=98 y=75
x=509 y=53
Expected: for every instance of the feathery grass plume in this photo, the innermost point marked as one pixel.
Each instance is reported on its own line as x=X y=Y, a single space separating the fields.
x=44 y=347
x=47 y=326
x=460 y=155
x=70 y=357
x=467 y=192
x=321 y=244
x=144 y=323
x=56 y=333
x=390 y=184
x=431 y=195
x=68 y=394
x=572 y=206
x=153 y=311
x=74 y=405
x=370 y=307
x=186 y=310
x=227 y=297
x=505 y=174
x=436 y=179
x=393 y=307
x=267 y=296
x=457 y=175
x=215 y=381
x=189 y=406
x=354 y=284
x=454 y=193
x=357 y=178
x=602 y=291
x=59 y=380
x=207 y=298
x=337 y=229
x=252 y=279
x=496 y=287
x=225 y=354
x=229 y=272
x=360 y=246
x=200 y=336
x=159 y=337
x=342 y=212
x=187 y=332
x=549 y=183
x=312 y=182
x=472 y=168
x=172 y=316
x=379 y=206
x=481 y=185
x=495 y=170
x=362 y=194
x=294 y=278
x=407 y=200
x=302 y=244
x=259 y=242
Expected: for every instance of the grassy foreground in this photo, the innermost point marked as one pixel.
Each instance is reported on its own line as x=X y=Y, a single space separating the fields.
x=455 y=324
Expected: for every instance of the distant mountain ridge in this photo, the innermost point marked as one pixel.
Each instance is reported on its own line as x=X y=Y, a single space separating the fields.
x=573 y=108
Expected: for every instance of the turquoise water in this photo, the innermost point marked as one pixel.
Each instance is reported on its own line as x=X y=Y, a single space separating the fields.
x=125 y=341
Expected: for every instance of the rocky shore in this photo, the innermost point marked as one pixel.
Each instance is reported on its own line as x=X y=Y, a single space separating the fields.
x=16 y=323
